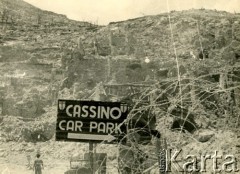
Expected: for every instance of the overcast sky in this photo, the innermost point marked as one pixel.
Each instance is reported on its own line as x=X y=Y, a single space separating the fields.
x=105 y=11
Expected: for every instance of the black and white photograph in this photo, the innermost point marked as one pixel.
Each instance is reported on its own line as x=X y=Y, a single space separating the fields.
x=119 y=86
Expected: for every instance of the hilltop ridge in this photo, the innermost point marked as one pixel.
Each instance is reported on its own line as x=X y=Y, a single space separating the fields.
x=19 y=11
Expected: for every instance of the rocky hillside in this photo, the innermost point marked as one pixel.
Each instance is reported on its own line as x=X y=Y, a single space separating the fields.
x=32 y=44
x=187 y=63
x=20 y=12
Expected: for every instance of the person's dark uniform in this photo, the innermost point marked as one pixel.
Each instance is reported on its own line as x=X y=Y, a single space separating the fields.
x=38 y=165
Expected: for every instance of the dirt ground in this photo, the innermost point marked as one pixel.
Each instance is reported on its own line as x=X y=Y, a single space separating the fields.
x=9 y=168
x=13 y=158
x=55 y=156
x=18 y=165
x=51 y=167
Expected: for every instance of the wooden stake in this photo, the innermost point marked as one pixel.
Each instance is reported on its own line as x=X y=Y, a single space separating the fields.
x=91 y=159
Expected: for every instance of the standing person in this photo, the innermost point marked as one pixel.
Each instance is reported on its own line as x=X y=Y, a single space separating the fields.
x=29 y=161
x=38 y=165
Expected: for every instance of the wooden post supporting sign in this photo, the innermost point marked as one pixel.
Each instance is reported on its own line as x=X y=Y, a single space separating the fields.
x=91 y=159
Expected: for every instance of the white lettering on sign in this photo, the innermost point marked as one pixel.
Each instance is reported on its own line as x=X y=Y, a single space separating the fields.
x=60 y=124
x=118 y=111
x=67 y=110
x=93 y=125
x=107 y=127
x=93 y=112
x=76 y=111
x=103 y=112
x=71 y=125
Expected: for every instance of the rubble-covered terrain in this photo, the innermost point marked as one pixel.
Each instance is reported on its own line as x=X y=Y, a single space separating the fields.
x=187 y=61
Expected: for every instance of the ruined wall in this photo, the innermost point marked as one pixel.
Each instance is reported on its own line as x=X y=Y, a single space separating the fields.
x=24 y=90
x=108 y=70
